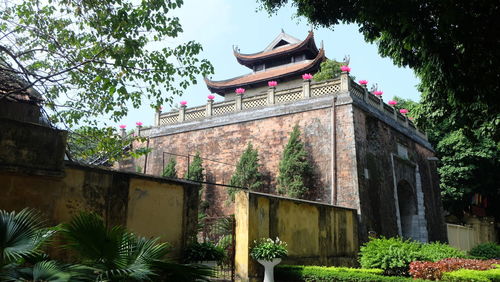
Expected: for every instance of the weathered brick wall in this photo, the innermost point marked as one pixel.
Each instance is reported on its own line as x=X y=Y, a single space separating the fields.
x=269 y=136
x=375 y=142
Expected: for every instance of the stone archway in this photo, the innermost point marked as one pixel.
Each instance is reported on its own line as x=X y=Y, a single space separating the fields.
x=408 y=212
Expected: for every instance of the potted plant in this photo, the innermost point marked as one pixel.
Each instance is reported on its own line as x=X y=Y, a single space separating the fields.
x=205 y=253
x=269 y=253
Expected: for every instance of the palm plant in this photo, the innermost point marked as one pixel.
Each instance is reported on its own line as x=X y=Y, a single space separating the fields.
x=118 y=255
x=21 y=236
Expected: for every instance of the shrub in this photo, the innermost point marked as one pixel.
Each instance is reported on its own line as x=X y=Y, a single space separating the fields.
x=294 y=168
x=435 y=270
x=393 y=255
x=247 y=172
x=197 y=252
x=321 y=273
x=437 y=251
x=488 y=250
x=170 y=170
x=267 y=249
x=467 y=275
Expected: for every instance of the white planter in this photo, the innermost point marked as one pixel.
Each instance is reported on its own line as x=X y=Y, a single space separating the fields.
x=269 y=268
x=209 y=263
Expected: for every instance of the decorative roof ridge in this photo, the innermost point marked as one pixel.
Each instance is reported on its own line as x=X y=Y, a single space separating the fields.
x=275 y=52
x=302 y=66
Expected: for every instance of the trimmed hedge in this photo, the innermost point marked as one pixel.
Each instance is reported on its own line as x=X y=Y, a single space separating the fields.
x=488 y=250
x=467 y=275
x=324 y=274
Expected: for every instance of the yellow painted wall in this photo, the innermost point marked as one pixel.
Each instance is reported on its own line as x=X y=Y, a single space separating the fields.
x=156 y=210
x=316 y=234
x=148 y=206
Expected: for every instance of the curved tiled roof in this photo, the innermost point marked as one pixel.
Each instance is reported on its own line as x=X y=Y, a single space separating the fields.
x=223 y=86
x=251 y=59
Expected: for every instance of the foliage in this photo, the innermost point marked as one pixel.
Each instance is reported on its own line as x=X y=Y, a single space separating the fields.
x=329 y=69
x=267 y=249
x=170 y=170
x=439 y=41
x=435 y=270
x=294 y=168
x=21 y=236
x=247 y=172
x=437 y=251
x=321 y=273
x=467 y=275
x=195 y=169
x=487 y=250
x=393 y=255
x=115 y=253
x=468 y=162
x=92 y=60
x=197 y=252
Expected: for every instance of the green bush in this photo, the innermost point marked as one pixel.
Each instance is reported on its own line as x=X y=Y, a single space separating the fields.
x=488 y=250
x=393 y=255
x=323 y=274
x=197 y=252
x=467 y=275
x=437 y=251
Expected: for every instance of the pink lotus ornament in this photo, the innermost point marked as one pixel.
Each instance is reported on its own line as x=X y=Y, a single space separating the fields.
x=240 y=90
x=403 y=111
x=123 y=126
x=307 y=76
x=211 y=97
x=392 y=102
x=138 y=123
x=345 y=68
x=183 y=103
x=272 y=83
x=363 y=82
x=378 y=93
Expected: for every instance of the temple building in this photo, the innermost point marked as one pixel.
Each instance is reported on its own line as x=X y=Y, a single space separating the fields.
x=365 y=154
x=284 y=61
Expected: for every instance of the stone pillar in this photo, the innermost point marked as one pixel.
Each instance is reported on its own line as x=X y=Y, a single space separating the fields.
x=345 y=84
x=381 y=105
x=270 y=95
x=182 y=113
x=139 y=130
x=239 y=102
x=306 y=88
x=157 y=117
x=208 y=111
x=365 y=92
x=123 y=133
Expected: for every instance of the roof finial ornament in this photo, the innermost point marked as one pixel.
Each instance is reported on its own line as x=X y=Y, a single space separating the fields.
x=282 y=31
x=374 y=87
x=236 y=49
x=347 y=58
x=322 y=47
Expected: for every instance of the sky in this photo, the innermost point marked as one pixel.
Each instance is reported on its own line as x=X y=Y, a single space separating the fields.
x=220 y=24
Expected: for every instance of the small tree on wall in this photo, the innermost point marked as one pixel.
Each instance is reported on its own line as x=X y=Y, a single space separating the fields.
x=195 y=170
x=294 y=168
x=247 y=172
x=170 y=170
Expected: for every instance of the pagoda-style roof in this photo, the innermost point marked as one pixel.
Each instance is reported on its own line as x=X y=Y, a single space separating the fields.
x=282 y=45
x=285 y=71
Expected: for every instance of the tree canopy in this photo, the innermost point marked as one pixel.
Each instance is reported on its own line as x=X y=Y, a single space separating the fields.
x=93 y=60
x=453 y=47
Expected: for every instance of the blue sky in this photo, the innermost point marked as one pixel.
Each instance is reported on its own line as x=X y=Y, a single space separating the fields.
x=220 y=24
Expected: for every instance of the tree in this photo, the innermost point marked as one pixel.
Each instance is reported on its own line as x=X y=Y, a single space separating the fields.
x=329 y=69
x=452 y=46
x=468 y=162
x=247 y=172
x=294 y=168
x=170 y=170
x=92 y=60
x=195 y=169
